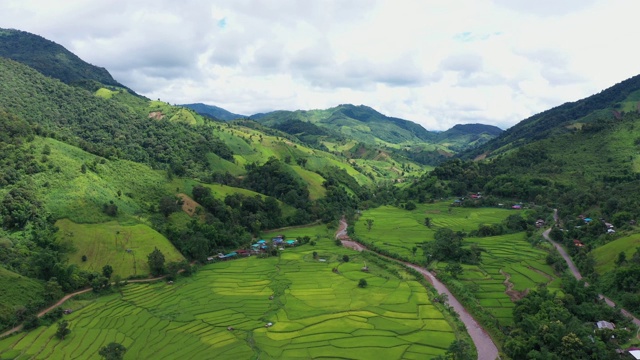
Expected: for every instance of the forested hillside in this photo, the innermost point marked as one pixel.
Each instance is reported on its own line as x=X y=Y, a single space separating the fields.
x=50 y=59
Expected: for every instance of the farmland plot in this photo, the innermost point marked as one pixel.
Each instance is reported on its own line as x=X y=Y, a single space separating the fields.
x=316 y=311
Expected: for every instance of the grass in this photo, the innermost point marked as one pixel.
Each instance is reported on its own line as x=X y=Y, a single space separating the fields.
x=606 y=255
x=397 y=231
x=107 y=243
x=315 y=313
x=17 y=290
x=69 y=193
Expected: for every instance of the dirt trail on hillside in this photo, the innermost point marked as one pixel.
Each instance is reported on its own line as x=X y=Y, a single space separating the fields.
x=487 y=349
x=576 y=273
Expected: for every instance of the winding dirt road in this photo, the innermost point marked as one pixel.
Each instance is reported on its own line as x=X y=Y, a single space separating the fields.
x=576 y=273
x=487 y=349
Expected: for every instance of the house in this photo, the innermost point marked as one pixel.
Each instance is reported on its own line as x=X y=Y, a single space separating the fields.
x=457 y=202
x=578 y=243
x=517 y=207
x=292 y=242
x=635 y=352
x=608 y=225
x=539 y=223
x=611 y=231
x=242 y=252
x=605 y=325
x=588 y=220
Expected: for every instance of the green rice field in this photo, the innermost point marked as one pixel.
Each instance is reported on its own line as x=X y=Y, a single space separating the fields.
x=397 y=230
x=315 y=313
x=506 y=256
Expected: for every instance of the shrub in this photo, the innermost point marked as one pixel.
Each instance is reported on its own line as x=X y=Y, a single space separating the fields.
x=362 y=283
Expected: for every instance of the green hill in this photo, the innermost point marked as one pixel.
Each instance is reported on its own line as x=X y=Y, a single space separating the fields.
x=50 y=59
x=461 y=137
x=213 y=111
x=361 y=123
x=606 y=105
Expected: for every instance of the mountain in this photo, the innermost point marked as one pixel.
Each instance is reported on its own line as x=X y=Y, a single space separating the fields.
x=608 y=104
x=463 y=136
x=360 y=123
x=50 y=59
x=213 y=111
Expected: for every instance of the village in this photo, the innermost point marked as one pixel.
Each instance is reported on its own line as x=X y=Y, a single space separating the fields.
x=260 y=247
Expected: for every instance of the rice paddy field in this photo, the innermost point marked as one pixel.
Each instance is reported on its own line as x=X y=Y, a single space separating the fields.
x=315 y=313
x=398 y=230
x=107 y=243
x=504 y=257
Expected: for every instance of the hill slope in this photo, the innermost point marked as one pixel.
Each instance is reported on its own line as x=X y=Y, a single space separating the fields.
x=361 y=123
x=606 y=105
x=213 y=111
x=50 y=59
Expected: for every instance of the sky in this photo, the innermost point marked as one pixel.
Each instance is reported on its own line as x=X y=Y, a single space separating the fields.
x=437 y=63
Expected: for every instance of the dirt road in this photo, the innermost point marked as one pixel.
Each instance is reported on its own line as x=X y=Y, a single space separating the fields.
x=576 y=273
x=69 y=296
x=487 y=349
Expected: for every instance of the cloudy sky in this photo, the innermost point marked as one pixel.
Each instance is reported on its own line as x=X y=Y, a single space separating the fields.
x=437 y=63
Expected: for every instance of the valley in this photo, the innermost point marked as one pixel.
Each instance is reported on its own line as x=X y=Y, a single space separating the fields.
x=170 y=224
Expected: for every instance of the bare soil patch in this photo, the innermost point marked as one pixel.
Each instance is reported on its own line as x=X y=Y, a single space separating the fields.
x=188 y=204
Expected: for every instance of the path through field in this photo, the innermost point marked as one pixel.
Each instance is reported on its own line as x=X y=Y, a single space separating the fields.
x=577 y=275
x=487 y=349
x=69 y=296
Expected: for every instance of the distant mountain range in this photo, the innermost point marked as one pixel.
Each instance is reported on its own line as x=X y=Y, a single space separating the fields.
x=361 y=123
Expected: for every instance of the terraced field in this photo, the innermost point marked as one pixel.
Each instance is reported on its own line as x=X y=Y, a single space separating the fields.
x=507 y=256
x=315 y=312
x=398 y=230
x=504 y=257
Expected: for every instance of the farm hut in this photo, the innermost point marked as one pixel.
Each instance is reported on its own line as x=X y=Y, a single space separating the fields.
x=609 y=225
x=539 y=223
x=277 y=241
x=611 y=231
x=517 y=207
x=243 y=252
x=588 y=220
x=577 y=243
x=291 y=242
x=457 y=202
x=262 y=241
x=605 y=325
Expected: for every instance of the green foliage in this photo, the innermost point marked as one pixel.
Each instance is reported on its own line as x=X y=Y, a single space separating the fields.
x=362 y=283
x=104 y=127
x=112 y=351
x=156 y=262
x=63 y=329
x=550 y=327
x=107 y=270
x=50 y=58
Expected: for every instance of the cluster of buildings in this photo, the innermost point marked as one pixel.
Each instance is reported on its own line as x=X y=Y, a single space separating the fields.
x=260 y=246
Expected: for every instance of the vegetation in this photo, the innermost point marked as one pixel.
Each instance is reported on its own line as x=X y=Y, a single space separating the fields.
x=314 y=312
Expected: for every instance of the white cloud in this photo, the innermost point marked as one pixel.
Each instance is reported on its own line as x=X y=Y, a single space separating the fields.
x=437 y=63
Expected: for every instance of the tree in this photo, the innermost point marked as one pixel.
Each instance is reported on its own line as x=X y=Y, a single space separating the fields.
x=427 y=222
x=112 y=351
x=369 y=224
x=362 y=283
x=156 y=262
x=414 y=250
x=169 y=205
x=63 y=329
x=410 y=206
x=345 y=258
x=454 y=269
x=556 y=234
x=622 y=258
x=107 y=270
